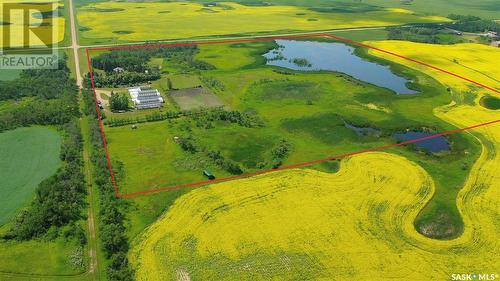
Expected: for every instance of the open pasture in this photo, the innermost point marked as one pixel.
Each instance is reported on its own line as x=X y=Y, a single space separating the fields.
x=151 y=157
x=110 y=22
x=27 y=156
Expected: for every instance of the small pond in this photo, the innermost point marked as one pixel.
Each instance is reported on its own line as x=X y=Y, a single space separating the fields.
x=437 y=144
x=363 y=131
x=316 y=56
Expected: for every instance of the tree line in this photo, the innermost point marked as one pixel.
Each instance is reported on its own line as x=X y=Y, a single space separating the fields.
x=41 y=83
x=111 y=217
x=421 y=34
x=203 y=118
x=472 y=24
x=117 y=79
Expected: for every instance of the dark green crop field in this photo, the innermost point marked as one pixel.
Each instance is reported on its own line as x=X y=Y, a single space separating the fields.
x=27 y=156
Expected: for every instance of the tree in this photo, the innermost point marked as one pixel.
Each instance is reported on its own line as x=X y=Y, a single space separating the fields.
x=118 y=102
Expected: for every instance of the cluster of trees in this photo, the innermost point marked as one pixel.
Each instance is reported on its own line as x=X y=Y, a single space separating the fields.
x=280 y=152
x=472 y=24
x=59 y=200
x=118 y=102
x=130 y=60
x=206 y=116
x=111 y=217
x=136 y=60
x=42 y=83
x=52 y=98
x=422 y=34
x=187 y=144
x=213 y=83
x=202 y=117
x=40 y=112
x=116 y=122
x=135 y=64
x=223 y=163
x=116 y=79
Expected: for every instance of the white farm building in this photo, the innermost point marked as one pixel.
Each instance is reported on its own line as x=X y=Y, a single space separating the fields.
x=145 y=97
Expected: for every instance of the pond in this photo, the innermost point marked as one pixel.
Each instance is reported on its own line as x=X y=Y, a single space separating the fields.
x=363 y=131
x=437 y=144
x=316 y=56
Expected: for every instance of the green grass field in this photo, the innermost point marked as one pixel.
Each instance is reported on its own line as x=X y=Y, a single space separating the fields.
x=27 y=156
x=307 y=109
x=36 y=257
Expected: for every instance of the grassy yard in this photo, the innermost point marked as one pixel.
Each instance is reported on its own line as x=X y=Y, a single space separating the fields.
x=27 y=156
x=151 y=158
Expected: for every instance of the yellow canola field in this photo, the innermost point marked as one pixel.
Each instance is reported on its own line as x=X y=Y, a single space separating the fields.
x=356 y=224
x=54 y=31
x=473 y=61
x=131 y=21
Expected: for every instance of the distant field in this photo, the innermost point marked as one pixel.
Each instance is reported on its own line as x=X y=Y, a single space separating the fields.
x=483 y=8
x=27 y=156
x=474 y=61
x=108 y=22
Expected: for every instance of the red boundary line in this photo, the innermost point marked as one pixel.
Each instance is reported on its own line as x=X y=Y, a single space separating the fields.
x=304 y=164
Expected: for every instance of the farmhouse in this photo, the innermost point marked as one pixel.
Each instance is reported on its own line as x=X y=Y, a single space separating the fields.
x=144 y=97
